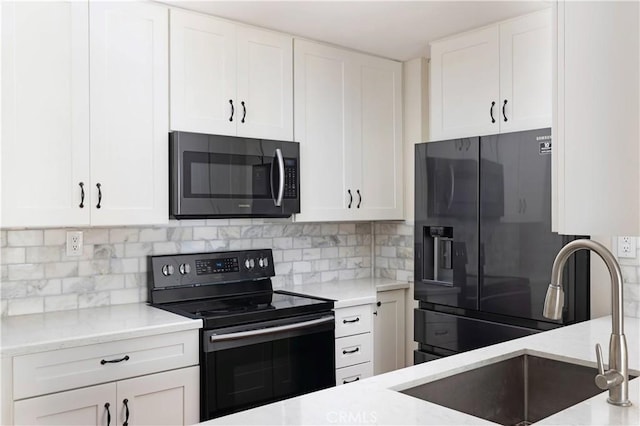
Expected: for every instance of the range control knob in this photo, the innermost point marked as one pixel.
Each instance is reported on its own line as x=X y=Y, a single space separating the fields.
x=167 y=270
x=185 y=268
x=249 y=264
x=263 y=262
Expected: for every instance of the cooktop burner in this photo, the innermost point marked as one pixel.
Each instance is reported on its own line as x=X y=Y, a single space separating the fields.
x=225 y=288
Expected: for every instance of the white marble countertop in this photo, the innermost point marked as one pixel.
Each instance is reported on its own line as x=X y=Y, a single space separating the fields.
x=350 y=292
x=23 y=334
x=376 y=400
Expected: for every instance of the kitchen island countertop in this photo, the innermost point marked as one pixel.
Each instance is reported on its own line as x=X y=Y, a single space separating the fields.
x=377 y=401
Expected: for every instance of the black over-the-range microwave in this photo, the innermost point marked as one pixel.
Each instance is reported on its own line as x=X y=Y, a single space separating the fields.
x=213 y=176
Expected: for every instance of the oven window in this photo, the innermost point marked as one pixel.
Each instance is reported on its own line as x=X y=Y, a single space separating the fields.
x=248 y=376
x=208 y=175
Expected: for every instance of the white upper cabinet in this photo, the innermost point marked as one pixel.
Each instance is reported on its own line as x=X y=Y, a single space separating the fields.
x=596 y=177
x=45 y=114
x=129 y=113
x=526 y=72
x=348 y=121
x=85 y=102
x=493 y=80
x=230 y=79
x=464 y=85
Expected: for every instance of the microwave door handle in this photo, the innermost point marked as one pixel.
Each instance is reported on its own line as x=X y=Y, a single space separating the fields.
x=453 y=187
x=278 y=201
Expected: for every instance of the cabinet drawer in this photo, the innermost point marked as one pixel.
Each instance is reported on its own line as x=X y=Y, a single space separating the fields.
x=63 y=369
x=353 y=320
x=353 y=373
x=353 y=350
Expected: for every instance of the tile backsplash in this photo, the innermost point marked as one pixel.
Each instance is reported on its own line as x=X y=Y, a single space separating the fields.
x=38 y=276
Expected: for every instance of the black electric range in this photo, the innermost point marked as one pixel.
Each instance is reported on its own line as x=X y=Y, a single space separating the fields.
x=257 y=345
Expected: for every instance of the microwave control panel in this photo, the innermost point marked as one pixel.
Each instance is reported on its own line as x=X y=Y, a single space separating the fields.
x=290 y=178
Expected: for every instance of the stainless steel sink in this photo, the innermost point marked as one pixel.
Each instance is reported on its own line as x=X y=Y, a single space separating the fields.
x=517 y=391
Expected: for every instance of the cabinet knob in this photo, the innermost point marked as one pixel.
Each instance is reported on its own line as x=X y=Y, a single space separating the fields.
x=378 y=303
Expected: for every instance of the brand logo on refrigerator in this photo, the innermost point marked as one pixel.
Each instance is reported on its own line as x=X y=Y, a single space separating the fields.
x=545 y=144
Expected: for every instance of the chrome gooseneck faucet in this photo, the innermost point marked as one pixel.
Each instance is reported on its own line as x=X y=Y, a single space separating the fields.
x=616 y=379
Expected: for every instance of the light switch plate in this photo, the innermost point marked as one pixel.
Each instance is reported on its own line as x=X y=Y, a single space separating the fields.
x=627 y=247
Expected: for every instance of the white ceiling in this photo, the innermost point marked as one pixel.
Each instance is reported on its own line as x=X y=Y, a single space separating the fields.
x=394 y=29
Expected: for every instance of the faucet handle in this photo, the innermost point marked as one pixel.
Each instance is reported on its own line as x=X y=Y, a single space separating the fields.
x=606 y=379
x=599 y=359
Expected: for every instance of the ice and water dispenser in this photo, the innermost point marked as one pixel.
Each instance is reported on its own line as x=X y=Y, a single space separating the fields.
x=444 y=259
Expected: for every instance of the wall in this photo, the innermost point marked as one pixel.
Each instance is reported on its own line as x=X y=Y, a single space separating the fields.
x=37 y=275
x=631 y=275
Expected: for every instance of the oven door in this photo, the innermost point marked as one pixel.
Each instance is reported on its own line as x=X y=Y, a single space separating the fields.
x=224 y=176
x=269 y=362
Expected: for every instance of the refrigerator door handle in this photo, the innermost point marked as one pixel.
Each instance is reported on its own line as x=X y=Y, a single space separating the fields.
x=453 y=186
x=436 y=257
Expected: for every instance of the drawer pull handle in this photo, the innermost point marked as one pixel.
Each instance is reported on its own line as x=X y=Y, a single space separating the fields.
x=113 y=361
x=81 y=195
x=350 y=321
x=344 y=382
x=493 y=120
x=126 y=408
x=106 y=406
x=441 y=332
x=350 y=352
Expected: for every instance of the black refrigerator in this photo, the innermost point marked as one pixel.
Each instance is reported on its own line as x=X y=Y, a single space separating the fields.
x=483 y=243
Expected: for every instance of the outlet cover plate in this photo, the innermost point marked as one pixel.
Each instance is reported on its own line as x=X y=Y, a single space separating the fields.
x=74 y=243
x=627 y=247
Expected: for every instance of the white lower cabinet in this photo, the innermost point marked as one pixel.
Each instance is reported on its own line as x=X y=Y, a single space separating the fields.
x=389 y=331
x=354 y=344
x=168 y=398
x=153 y=380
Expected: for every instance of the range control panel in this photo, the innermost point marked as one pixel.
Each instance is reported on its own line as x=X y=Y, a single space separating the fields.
x=210 y=268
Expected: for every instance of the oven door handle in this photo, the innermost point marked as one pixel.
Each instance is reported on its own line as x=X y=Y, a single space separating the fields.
x=270 y=330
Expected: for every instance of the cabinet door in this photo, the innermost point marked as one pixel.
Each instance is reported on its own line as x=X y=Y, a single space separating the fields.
x=389 y=332
x=129 y=113
x=464 y=84
x=525 y=72
x=168 y=398
x=265 y=84
x=596 y=132
x=45 y=114
x=323 y=114
x=376 y=164
x=86 y=406
x=203 y=74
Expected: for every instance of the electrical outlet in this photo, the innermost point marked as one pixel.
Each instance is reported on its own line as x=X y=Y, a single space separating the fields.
x=627 y=247
x=74 y=243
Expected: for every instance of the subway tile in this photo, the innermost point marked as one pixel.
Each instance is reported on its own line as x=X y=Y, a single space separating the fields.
x=26 y=305
x=180 y=234
x=3 y=238
x=388 y=251
x=43 y=287
x=240 y=244
x=283 y=243
x=346 y=251
x=124 y=235
x=135 y=280
x=347 y=274
x=123 y=266
x=55 y=237
x=283 y=268
x=312 y=230
x=13 y=289
x=320 y=265
x=301 y=267
x=216 y=245
x=205 y=233
x=61 y=302
x=311 y=254
x=153 y=235
x=165 y=248
x=251 y=232
x=44 y=254
x=130 y=295
x=229 y=232
x=404 y=276
x=217 y=222
x=190 y=247
x=79 y=285
x=273 y=231
x=137 y=249
x=108 y=282
x=13 y=255
x=329 y=252
x=25 y=238
x=61 y=269
x=291 y=255
x=26 y=271
x=104 y=251
x=329 y=229
x=347 y=228
x=329 y=276
x=94 y=267
x=261 y=243
x=92 y=300
x=362 y=273
x=95 y=236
